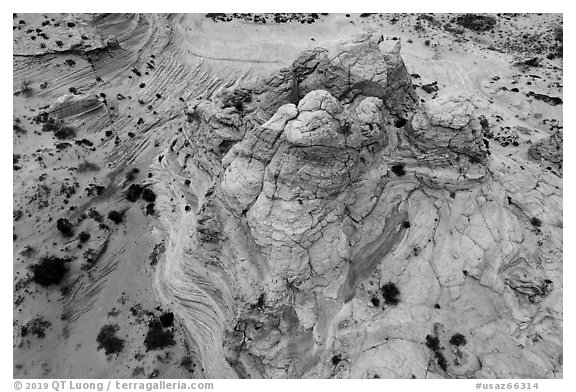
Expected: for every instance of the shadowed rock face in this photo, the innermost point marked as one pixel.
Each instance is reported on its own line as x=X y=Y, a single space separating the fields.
x=319 y=196
x=549 y=148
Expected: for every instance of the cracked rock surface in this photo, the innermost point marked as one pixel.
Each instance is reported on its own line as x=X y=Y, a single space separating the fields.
x=288 y=196
x=338 y=181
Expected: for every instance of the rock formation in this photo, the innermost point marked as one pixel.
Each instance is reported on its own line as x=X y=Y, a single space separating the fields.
x=329 y=180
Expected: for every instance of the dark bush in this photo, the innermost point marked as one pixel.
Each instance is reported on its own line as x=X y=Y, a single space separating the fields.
x=167 y=319
x=390 y=293
x=476 y=22
x=65 y=227
x=398 y=170
x=132 y=174
x=432 y=342
x=65 y=132
x=441 y=360
x=158 y=338
x=50 y=270
x=336 y=360
x=406 y=224
x=116 y=217
x=536 y=222
x=87 y=166
x=148 y=195
x=150 y=209
x=474 y=159
x=134 y=192
x=457 y=339
x=84 y=236
x=37 y=326
x=108 y=340
x=400 y=122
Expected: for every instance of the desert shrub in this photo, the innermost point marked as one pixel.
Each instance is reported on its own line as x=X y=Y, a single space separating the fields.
x=441 y=360
x=26 y=89
x=474 y=159
x=536 y=222
x=65 y=227
x=150 y=209
x=94 y=214
x=398 y=170
x=116 y=217
x=132 y=174
x=50 y=270
x=65 y=132
x=148 y=195
x=336 y=360
x=87 y=166
x=134 y=192
x=400 y=122
x=476 y=22
x=432 y=342
x=187 y=363
x=167 y=319
x=108 y=340
x=457 y=340
x=158 y=338
x=390 y=293
x=84 y=236
x=37 y=326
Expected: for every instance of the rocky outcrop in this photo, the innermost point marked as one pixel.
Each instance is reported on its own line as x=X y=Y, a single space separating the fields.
x=448 y=126
x=350 y=225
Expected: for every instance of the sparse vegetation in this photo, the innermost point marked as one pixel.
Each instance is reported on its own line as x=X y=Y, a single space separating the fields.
x=457 y=340
x=390 y=293
x=167 y=319
x=148 y=195
x=116 y=217
x=87 y=166
x=65 y=132
x=84 y=236
x=158 y=338
x=433 y=343
x=398 y=170
x=476 y=22
x=108 y=340
x=49 y=271
x=65 y=227
x=134 y=192
x=535 y=222
x=37 y=326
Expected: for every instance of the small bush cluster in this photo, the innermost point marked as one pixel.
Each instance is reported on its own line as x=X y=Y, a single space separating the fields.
x=49 y=271
x=149 y=195
x=87 y=166
x=433 y=343
x=390 y=293
x=116 y=217
x=108 y=340
x=37 y=326
x=476 y=22
x=157 y=337
x=65 y=132
x=398 y=170
x=134 y=192
x=457 y=340
x=65 y=227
